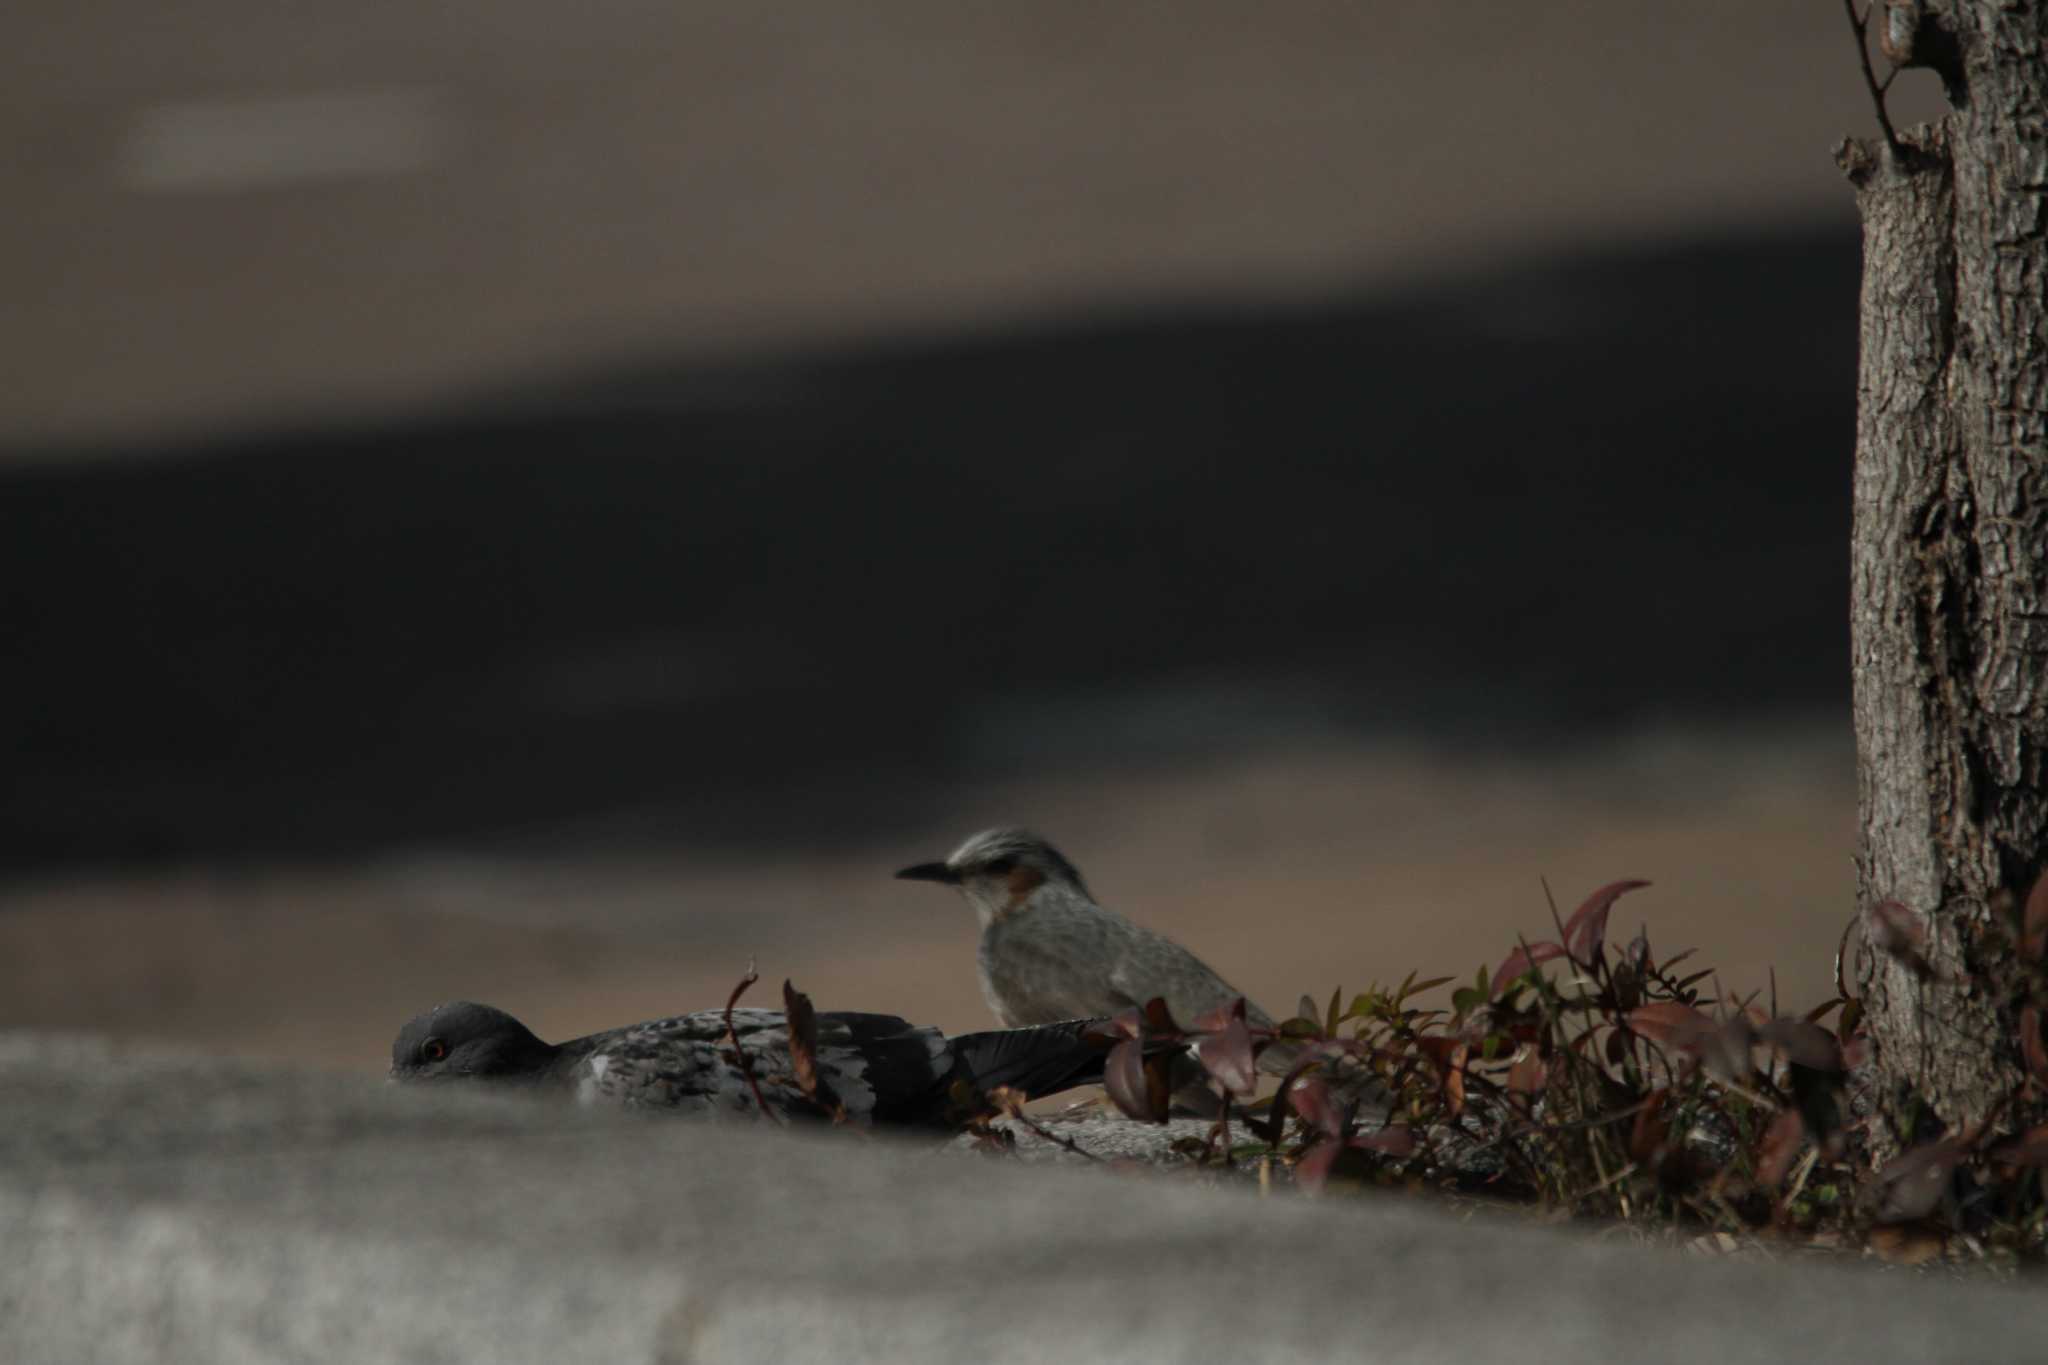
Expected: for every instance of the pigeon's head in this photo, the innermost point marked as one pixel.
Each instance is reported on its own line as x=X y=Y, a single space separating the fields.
x=1001 y=871
x=464 y=1041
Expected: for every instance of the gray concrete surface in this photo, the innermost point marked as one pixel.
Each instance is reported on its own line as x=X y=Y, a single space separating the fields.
x=169 y=1210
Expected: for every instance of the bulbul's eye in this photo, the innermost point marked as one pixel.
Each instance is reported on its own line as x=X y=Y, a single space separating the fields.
x=434 y=1050
x=1001 y=867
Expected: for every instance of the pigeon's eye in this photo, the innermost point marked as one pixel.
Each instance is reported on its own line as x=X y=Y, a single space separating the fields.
x=1001 y=867
x=434 y=1050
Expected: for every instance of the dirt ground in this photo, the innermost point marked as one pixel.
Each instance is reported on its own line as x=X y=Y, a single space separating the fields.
x=1299 y=873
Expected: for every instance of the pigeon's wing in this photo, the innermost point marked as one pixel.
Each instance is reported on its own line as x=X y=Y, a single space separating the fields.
x=1037 y=1061
x=685 y=1063
x=883 y=1069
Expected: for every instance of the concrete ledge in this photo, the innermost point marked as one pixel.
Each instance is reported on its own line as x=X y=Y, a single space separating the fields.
x=167 y=1210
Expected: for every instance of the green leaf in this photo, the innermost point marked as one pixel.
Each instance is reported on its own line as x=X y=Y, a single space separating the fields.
x=1414 y=987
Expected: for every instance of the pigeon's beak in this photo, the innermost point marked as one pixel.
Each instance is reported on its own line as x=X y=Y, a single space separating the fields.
x=930 y=872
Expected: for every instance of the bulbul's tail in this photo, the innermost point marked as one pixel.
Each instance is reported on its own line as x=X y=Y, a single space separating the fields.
x=1038 y=1061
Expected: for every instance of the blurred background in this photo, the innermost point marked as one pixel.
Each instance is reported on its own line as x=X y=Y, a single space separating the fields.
x=545 y=507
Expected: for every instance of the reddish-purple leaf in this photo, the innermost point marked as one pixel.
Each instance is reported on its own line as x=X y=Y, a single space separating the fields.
x=1914 y=1183
x=1130 y=1090
x=1314 y=1167
x=1159 y=1019
x=2034 y=921
x=1518 y=963
x=1128 y=1023
x=1396 y=1142
x=1454 y=1080
x=802 y=1023
x=1806 y=1043
x=1906 y=1243
x=1586 y=930
x=1274 y=1124
x=803 y=1038
x=1856 y=1052
x=1227 y=1054
x=1647 y=1136
x=1901 y=934
x=2033 y=1048
x=1673 y=960
x=1726 y=1051
x=1311 y=1099
x=1528 y=1075
x=1215 y=1020
x=1822 y=1011
x=1671 y=1024
x=2028 y=1149
x=1781 y=1144
x=1439 y=1048
x=1846 y=1028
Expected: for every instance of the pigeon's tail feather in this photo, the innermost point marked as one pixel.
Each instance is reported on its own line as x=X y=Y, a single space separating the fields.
x=1037 y=1061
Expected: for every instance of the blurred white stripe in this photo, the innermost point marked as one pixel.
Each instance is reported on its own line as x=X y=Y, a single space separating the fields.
x=237 y=143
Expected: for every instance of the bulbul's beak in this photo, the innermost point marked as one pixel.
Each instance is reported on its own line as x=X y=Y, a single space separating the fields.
x=930 y=872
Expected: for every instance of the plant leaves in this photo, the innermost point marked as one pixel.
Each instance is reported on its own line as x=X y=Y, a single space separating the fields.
x=1586 y=930
x=1907 y=1243
x=1806 y=1043
x=2033 y=1048
x=802 y=1021
x=1311 y=1100
x=803 y=1038
x=1671 y=1024
x=1395 y=1142
x=1007 y=1100
x=1454 y=1081
x=1418 y=987
x=2034 y=921
x=1159 y=1020
x=1226 y=1052
x=1780 y=1147
x=1130 y=1090
x=1314 y=1167
x=1518 y=963
x=1275 y=1123
x=1914 y=1183
x=1902 y=935
x=1646 y=1137
x=1529 y=1074
x=2028 y=1149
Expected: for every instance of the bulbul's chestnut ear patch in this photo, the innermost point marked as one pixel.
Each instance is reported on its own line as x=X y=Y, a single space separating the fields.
x=1022 y=882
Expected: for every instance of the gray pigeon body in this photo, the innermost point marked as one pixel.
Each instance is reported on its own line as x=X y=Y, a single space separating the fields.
x=883 y=1070
x=1049 y=951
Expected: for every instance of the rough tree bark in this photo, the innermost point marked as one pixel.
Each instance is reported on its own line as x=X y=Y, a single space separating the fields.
x=1950 y=554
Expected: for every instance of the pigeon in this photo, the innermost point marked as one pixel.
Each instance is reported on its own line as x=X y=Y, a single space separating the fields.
x=874 y=1070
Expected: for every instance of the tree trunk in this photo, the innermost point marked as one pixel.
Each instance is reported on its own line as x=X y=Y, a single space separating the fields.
x=1949 y=618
